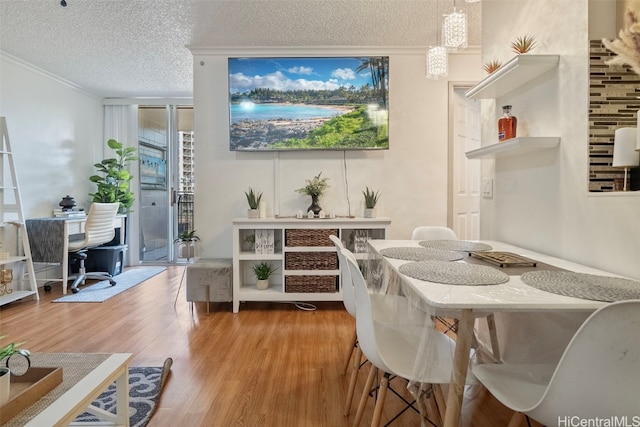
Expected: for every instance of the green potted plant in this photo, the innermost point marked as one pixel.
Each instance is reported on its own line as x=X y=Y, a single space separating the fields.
x=187 y=244
x=315 y=188
x=263 y=270
x=5 y=374
x=253 y=198
x=113 y=181
x=371 y=198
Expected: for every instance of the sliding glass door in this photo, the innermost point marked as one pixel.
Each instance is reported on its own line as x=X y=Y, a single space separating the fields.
x=165 y=148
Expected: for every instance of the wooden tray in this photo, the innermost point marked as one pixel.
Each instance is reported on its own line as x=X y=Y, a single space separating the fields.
x=27 y=389
x=504 y=259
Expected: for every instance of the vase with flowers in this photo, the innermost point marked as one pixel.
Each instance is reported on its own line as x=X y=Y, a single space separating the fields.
x=315 y=188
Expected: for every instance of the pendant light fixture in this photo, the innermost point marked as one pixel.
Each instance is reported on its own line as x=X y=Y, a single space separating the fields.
x=437 y=61
x=454 y=30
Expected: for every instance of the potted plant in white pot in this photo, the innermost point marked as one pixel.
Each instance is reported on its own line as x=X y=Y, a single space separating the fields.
x=187 y=244
x=263 y=270
x=5 y=374
x=253 y=198
x=114 y=179
x=371 y=198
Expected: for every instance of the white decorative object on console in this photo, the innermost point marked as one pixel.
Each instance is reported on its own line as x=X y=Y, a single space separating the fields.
x=264 y=242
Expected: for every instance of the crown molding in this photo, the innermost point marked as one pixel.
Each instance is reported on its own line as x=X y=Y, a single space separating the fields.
x=29 y=66
x=267 y=51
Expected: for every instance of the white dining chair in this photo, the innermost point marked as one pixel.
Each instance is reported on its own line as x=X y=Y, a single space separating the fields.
x=347 y=297
x=391 y=351
x=353 y=350
x=389 y=310
x=433 y=232
x=596 y=377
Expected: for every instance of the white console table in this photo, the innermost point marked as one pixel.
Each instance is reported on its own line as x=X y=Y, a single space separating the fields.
x=305 y=258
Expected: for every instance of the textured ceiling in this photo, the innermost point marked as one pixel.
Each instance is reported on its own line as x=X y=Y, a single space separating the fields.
x=136 y=48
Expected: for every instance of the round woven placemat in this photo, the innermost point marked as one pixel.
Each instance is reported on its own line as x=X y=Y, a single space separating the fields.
x=582 y=285
x=421 y=254
x=454 y=273
x=455 y=245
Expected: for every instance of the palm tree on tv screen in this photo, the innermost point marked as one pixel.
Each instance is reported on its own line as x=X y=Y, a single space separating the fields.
x=379 y=67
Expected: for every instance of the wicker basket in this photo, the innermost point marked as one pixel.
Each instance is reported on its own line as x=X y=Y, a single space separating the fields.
x=309 y=237
x=311 y=261
x=311 y=284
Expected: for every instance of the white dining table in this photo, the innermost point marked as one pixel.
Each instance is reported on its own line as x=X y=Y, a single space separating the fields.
x=466 y=303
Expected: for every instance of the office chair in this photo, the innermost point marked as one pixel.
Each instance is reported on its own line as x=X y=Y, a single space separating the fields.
x=597 y=376
x=98 y=230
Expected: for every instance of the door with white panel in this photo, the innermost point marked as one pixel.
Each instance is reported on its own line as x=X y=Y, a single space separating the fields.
x=465 y=174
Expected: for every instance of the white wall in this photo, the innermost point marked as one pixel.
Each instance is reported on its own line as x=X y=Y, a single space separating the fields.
x=56 y=136
x=541 y=200
x=411 y=175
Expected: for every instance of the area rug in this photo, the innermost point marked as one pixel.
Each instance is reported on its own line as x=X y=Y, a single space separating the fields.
x=145 y=387
x=102 y=291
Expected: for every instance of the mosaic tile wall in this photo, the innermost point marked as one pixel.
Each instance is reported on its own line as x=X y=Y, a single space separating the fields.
x=613 y=103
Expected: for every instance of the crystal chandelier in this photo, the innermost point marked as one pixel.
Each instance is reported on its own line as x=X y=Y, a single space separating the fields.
x=454 y=30
x=437 y=63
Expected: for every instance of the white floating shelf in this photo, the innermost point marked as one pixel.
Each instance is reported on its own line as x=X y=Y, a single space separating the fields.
x=512 y=75
x=514 y=147
x=252 y=256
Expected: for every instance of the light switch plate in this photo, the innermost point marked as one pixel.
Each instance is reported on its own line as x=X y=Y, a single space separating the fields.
x=487 y=188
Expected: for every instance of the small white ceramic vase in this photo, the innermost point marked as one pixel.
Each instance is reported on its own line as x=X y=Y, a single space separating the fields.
x=262 y=284
x=253 y=213
x=187 y=249
x=370 y=213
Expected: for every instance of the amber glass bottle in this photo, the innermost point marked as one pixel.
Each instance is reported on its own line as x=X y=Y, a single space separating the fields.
x=507 y=124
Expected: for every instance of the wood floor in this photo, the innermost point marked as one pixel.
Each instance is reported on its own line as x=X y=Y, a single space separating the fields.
x=269 y=365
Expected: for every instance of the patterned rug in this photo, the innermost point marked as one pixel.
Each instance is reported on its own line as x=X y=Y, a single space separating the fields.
x=145 y=387
x=102 y=291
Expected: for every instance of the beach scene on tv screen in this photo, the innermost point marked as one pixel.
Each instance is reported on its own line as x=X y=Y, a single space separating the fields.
x=333 y=103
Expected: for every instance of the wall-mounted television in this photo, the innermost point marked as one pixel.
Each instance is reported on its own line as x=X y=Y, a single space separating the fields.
x=304 y=103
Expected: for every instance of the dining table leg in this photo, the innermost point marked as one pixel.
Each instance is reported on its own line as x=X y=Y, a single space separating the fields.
x=460 y=366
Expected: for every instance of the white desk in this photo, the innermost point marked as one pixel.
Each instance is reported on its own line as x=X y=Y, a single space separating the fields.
x=86 y=376
x=49 y=239
x=468 y=302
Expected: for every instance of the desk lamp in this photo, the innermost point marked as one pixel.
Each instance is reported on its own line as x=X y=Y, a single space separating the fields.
x=625 y=154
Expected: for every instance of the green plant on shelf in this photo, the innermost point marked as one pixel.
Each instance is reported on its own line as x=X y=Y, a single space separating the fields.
x=263 y=270
x=315 y=187
x=371 y=198
x=253 y=198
